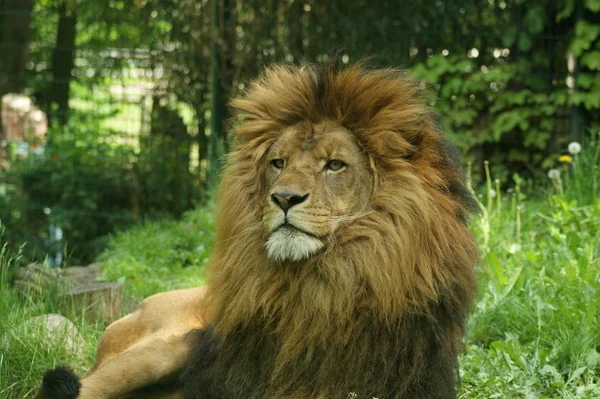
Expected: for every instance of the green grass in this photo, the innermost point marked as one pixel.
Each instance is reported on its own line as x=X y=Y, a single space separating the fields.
x=161 y=255
x=534 y=331
x=25 y=351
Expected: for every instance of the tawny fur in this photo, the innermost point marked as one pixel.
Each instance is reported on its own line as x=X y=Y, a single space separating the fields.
x=380 y=311
x=141 y=355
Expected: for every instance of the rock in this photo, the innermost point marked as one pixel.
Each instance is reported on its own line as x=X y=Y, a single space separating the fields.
x=58 y=330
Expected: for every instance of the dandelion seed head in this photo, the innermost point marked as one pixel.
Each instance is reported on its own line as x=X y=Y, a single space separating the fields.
x=574 y=148
x=554 y=174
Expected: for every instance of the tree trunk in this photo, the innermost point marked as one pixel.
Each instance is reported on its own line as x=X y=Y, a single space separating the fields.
x=15 y=34
x=221 y=81
x=296 y=39
x=96 y=301
x=63 y=58
x=202 y=140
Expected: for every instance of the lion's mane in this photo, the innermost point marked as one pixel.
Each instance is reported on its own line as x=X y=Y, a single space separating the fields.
x=381 y=311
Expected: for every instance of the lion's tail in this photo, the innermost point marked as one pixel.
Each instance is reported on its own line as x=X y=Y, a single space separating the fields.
x=60 y=383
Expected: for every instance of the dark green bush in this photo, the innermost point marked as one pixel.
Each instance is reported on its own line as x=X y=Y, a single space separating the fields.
x=90 y=181
x=81 y=183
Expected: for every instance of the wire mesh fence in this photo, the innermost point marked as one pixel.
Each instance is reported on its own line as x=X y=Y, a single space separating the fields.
x=114 y=112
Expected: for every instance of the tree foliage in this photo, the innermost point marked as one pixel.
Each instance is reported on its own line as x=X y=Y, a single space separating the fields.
x=512 y=80
x=511 y=76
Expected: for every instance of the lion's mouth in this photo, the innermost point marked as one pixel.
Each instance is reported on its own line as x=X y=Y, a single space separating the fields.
x=290 y=243
x=293 y=230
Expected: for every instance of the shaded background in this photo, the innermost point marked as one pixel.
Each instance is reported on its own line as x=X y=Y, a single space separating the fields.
x=135 y=94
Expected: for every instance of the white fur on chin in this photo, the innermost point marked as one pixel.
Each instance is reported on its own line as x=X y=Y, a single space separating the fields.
x=288 y=244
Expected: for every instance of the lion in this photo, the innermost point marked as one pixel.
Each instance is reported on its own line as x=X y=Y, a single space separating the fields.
x=343 y=265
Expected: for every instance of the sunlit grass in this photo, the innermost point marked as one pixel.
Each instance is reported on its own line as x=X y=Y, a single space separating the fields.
x=534 y=331
x=161 y=255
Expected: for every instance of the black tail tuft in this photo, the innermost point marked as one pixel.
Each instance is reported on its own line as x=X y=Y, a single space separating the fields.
x=60 y=383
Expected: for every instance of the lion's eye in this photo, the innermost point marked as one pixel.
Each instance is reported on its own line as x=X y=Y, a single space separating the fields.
x=334 y=165
x=278 y=163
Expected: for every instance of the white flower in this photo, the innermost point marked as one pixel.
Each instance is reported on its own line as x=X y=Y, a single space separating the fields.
x=554 y=174
x=513 y=248
x=492 y=193
x=574 y=148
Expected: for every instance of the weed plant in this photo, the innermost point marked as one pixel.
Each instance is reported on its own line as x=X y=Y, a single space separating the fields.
x=534 y=331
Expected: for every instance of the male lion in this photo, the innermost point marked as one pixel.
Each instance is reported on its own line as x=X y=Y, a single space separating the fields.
x=343 y=266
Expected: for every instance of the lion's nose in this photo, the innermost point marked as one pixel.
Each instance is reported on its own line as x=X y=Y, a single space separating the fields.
x=287 y=200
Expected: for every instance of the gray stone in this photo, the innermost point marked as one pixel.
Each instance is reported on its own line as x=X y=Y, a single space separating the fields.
x=57 y=330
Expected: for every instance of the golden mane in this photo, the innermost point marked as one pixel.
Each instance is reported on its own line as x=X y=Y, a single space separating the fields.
x=410 y=256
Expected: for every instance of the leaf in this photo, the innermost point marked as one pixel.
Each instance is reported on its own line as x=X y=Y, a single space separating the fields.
x=494 y=264
x=585 y=34
x=535 y=19
x=506 y=122
x=591 y=60
x=579 y=45
x=465 y=116
x=551 y=371
x=589 y=100
x=576 y=374
x=524 y=43
x=592 y=359
x=587 y=81
x=519 y=97
x=566 y=11
x=509 y=37
x=592 y=5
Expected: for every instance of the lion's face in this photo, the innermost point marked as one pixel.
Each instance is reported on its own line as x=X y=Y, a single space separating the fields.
x=317 y=178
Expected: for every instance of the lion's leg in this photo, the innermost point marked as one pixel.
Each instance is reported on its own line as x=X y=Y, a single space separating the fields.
x=157 y=314
x=152 y=361
x=117 y=338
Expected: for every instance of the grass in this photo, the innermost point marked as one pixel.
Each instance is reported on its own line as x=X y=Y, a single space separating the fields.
x=533 y=332
x=25 y=351
x=161 y=255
